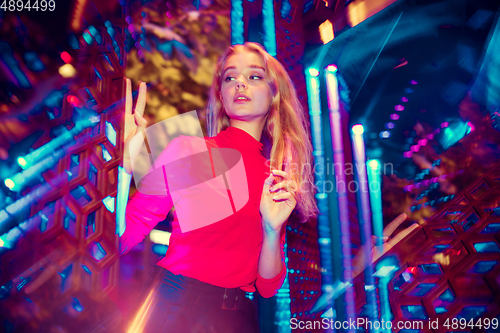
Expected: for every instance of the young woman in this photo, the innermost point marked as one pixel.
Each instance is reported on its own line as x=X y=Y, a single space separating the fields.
x=254 y=109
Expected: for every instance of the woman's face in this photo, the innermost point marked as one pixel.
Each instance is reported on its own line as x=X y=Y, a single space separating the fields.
x=246 y=95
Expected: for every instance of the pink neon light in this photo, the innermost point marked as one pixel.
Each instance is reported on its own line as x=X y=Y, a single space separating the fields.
x=399 y=107
x=404 y=99
x=408 y=188
x=73 y=100
x=66 y=57
x=422 y=142
x=394 y=116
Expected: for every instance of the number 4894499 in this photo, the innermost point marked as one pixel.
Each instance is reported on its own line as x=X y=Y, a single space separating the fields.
x=462 y=323
x=20 y=5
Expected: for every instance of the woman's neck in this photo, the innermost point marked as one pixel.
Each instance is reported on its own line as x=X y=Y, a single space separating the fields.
x=253 y=128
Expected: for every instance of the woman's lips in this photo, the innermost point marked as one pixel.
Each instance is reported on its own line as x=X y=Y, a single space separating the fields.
x=241 y=101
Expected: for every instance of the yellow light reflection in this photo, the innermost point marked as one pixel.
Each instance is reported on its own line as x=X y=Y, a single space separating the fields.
x=360 y=10
x=326 y=31
x=67 y=71
x=142 y=315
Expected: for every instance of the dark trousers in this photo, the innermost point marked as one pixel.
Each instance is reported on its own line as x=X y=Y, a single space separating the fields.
x=175 y=303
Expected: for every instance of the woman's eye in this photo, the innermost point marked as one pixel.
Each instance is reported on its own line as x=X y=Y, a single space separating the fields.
x=256 y=76
x=229 y=78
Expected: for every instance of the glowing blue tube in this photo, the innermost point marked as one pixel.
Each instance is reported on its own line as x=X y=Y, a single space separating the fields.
x=374 y=185
x=269 y=27
x=365 y=220
x=19 y=180
x=324 y=230
x=340 y=178
x=237 y=24
x=37 y=155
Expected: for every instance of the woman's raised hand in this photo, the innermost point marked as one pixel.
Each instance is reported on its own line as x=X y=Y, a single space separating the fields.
x=134 y=120
x=277 y=201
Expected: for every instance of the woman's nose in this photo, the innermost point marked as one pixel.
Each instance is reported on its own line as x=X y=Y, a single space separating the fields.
x=240 y=82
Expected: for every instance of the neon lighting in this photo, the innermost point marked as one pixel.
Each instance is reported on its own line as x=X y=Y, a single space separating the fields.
x=471 y=126
x=76 y=21
x=87 y=37
x=453 y=133
x=109 y=203
x=86 y=269
x=105 y=154
x=357 y=13
x=486 y=247
x=97 y=251
x=110 y=133
x=432 y=180
x=399 y=107
x=21 y=161
x=389 y=125
x=268 y=25
x=313 y=72
x=364 y=217
x=385 y=270
x=49 y=148
x=404 y=99
x=374 y=185
x=77 y=305
x=96 y=34
x=159 y=249
x=394 y=116
x=10 y=183
x=313 y=90
x=19 y=180
x=385 y=134
x=160 y=237
x=332 y=68
x=66 y=57
x=358 y=129
x=237 y=24
x=343 y=204
x=326 y=31
x=73 y=100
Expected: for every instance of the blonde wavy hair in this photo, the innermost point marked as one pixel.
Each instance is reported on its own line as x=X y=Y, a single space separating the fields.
x=286 y=128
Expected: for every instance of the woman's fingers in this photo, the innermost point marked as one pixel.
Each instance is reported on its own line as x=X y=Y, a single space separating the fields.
x=140 y=122
x=128 y=97
x=283 y=196
x=269 y=181
x=287 y=185
x=279 y=173
x=141 y=100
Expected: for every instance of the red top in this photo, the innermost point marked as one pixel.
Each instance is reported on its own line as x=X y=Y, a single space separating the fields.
x=224 y=253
